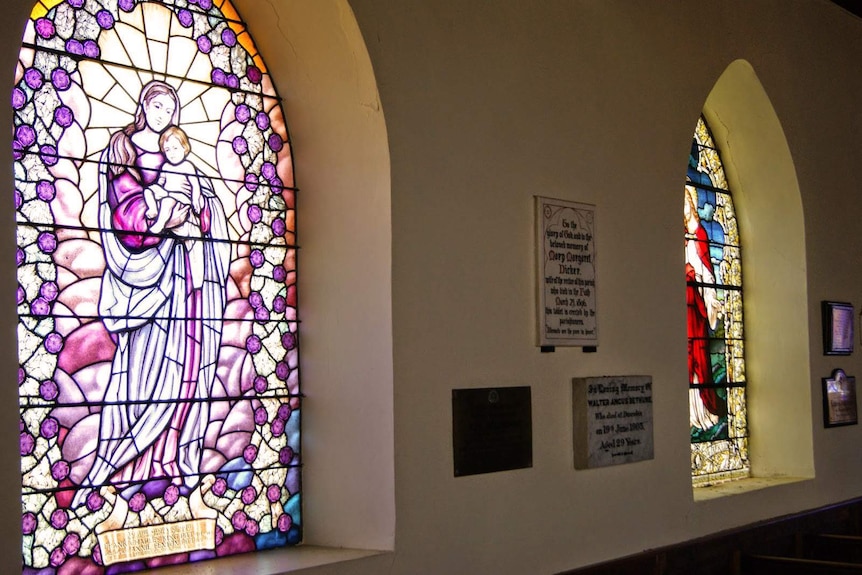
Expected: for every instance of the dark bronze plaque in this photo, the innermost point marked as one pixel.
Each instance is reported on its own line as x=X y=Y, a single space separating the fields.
x=492 y=429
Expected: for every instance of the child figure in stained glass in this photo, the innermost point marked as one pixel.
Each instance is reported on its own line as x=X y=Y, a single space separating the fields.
x=179 y=184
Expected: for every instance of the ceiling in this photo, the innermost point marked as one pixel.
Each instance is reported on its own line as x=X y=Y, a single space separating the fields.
x=854 y=6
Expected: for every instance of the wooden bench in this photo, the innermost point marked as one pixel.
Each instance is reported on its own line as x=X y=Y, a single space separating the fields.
x=771 y=565
x=827 y=547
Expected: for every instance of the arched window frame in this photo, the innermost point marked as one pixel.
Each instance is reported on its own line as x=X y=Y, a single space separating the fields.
x=263 y=243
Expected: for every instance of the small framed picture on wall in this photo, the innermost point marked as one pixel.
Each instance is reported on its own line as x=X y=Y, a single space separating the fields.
x=838 y=320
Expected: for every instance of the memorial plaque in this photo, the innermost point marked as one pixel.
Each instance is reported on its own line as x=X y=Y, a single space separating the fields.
x=492 y=429
x=612 y=419
x=566 y=273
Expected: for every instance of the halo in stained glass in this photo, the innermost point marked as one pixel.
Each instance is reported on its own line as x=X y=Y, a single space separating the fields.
x=159 y=369
x=716 y=363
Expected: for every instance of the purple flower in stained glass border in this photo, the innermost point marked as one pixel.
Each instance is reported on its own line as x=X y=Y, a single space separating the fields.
x=251 y=527
x=273 y=493
x=228 y=37
x=205 y=45
x=260 y=384
x=76 y=3
x=238 y=519
x=28 y=444
x=45 y=190
x=185 y=17
x=232 y=81
x=33 y=78
x=22 y=377
x=260 y=416
x=59 y=518
x=277 y=427
x=251 y=182
x=284 y=411
x=40 y=307
x=126 y=5
x=279 y=304
x=267 y=170
x=218 y=76
x=276 y=184
x=20 y=257
x=254 y=213
x=47 y=242
x=21 y=295
x=61 y=80
x=63 y=116
x=28 y=523
x=249 y=453
x=253 y=344
x=219 y=488
x=48 y=154
x=249 y=494
x=254 y=74
x=95 y=501
x=288 y=340
x=285 y=455
x=284 y=522
x=255 y=300
x=54 y=342
x=278 y=227
x=279 y=274
x=48 y=390
x=72 y=543
x=74 y=46
x=282 y=371
x=205 y=4
x=138 y=502
x=25 y=135
x=45 y=28
x=49 y=290
x=275 y=143
x=240 y=145
x=91 y=49
x=49 y=428
x=60 y=470
x=262 y=121
x=58 y=557
x=242 y=114
x=261 y=314
x=172 y=494
x=19 y=98
x=256 y=258
x=105 y=19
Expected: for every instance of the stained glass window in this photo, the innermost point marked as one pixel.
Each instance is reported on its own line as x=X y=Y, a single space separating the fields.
x=158 y=379
x=713 y=273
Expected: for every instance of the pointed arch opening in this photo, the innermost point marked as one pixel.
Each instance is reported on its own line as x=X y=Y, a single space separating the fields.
x=760 y=171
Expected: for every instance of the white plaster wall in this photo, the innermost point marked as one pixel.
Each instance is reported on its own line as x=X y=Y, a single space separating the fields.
x=487 y=104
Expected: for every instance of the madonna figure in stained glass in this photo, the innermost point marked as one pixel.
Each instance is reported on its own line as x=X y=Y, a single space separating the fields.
x=707 y=407
x=167 y=329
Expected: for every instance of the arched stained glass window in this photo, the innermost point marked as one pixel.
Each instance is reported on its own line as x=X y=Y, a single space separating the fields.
x=158 y=379
x=713 y=273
